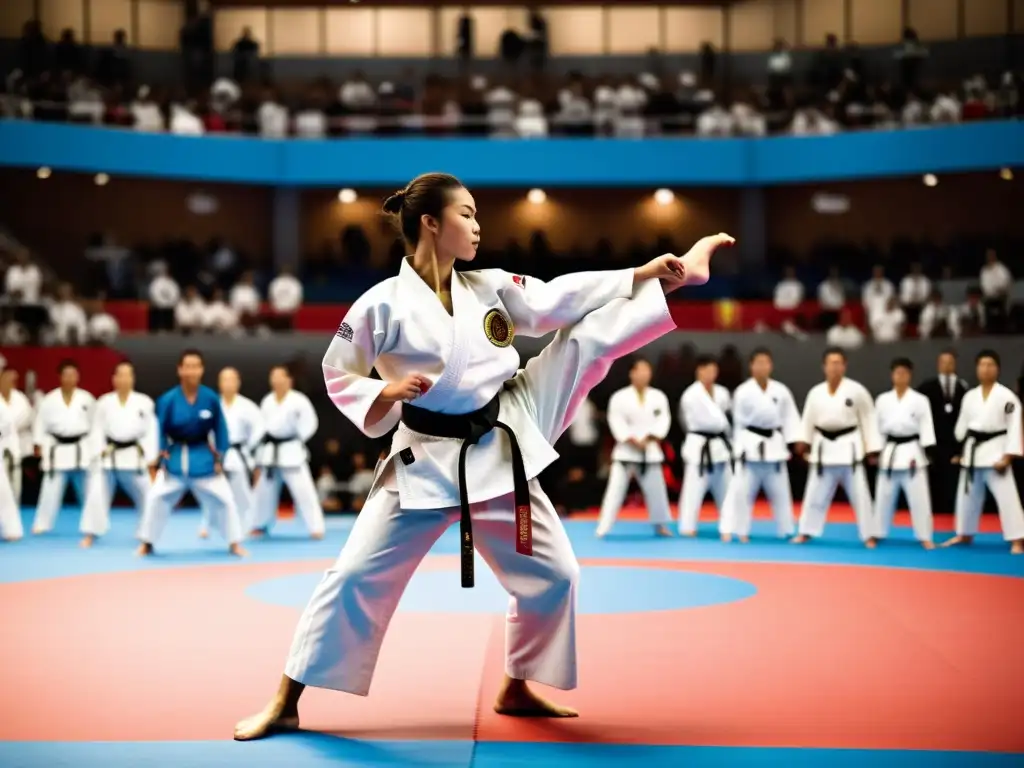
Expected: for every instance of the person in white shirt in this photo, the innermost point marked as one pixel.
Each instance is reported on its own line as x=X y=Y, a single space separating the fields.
x=285 y=296
x=245 y=431
x=218 y=317
x=839 y=430
x=164 y=295
x=124 y=436
x=812 y=122
x=62 y=433
x=989 y=431
x=190 y=312
x=11 y=528
x=184 y=121
x=905 y=424
x=887 y=323
x=765 y=421
x=146 y=112
x=972 y=316
x=845 y=334
x=876 y=292
x=639 y=418
x=70 y=325
x=789 y=292
x=707 y=450
x=938 y=320
x=272 y=118
x=831 y=298
x=311 y=124
x=530 y=121
x=244 y=299
x=996 y=280
x=22 y=414
x=289 y=422
x=103 y=327
x=715 y=121
x=915 y=289
x=23 y=280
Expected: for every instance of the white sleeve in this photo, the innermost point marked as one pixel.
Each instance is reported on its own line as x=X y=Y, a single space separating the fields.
x=1013 y=427
x=9 y=442
x=960 y=430
x=308 y=421
x=256 y=427
x=97 y=434
x=40 y=436
x=663 y=422
x=151 y=438
x=538 y=308
x=617 y=424
x=791 y=427
x=868 y=422
x=808 y=420
x=682 y=412
x=927 y=428
x=350 y=358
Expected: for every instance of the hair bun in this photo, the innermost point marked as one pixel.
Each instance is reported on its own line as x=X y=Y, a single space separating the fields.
x=394 y=203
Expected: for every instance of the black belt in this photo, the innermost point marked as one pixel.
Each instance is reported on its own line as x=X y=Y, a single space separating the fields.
x=470 y=428
x=705 y=452
x=118 y=445
x=896 y=440
x=274 y=441
x=75 y=440
x=767 y=434
x=835 y=434
x=9 y=462
x=642 y=464
x=240 y=448
x=978 y=438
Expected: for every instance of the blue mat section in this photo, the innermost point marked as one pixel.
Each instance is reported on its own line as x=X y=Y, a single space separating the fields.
x=180 y=547
x=608 y=590
x=319 y=751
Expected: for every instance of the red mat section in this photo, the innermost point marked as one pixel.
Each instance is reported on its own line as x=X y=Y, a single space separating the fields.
x=840 y=513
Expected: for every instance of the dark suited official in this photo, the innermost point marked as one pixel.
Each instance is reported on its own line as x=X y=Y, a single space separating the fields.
x=944 y=391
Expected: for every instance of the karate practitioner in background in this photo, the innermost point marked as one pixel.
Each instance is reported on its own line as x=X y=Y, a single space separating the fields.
x=905 y=425
x=639 y=418
x=188 y=417
x=245 y=430
x=289 y=422
x=838 y=431
x=10 y=513
x=765 y=421
x=124 y=438
x=62 y=437
x=23 y=415
x=707 y=449
x=441 y=340
x=989 y=431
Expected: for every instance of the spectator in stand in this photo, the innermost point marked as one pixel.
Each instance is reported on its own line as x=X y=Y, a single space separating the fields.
x=285 y=296
x=531 y=123
x=68 y=323
x=911 y=56
x=146 y=113
x=360 y=482
x=915 y=288
x=971 y=317
x=184 y=120
x=67 y=54
x=190 y=312
x=789 y=295
x=85 y=102
x=876 y=292
x=996 y=283
x=103 y=327
x=938 y=320
x=115 y=67
x=218 y=316
x=272 y=116
x=946 y=108
x=245 y=300
x=887 y=322
x=245 y=57
x=831 y=298
x=22 y=289
x=811 y=121
x=164 y=295
x=715 y=121
x=780 y=66
x=845 y=334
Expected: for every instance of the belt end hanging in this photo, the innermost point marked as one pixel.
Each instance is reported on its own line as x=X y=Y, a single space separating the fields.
x=524 y=530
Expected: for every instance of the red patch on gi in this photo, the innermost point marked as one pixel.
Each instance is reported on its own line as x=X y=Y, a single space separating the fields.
x=519 y=280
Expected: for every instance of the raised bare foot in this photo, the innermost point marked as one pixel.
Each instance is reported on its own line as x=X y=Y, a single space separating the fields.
x=517 y=700
x=145 y=549
x=271 y=720
x=697 y=261
x=662 y=531
x=87 y=541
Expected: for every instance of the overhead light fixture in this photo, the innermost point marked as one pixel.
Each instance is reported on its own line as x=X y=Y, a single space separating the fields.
x=664 y=197
x=1006 y=174
x=101 y=179
x=930 y=180
x=347 y=196
x=43 y=173
x=536 y=196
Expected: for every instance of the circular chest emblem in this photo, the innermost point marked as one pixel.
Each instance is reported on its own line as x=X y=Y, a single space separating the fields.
x=498 y=328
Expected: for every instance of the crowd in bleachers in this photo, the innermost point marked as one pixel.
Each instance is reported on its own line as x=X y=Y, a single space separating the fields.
x=59 y=82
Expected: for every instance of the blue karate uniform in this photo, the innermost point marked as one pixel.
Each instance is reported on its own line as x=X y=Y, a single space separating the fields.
x=185 y=430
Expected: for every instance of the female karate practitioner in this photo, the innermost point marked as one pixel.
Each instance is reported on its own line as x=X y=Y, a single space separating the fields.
x=442 y=339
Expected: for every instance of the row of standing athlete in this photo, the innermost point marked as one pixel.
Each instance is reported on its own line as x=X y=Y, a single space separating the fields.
x=240 y=454
x=738 y=445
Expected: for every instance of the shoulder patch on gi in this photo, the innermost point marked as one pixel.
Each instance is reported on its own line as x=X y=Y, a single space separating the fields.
x=498 y=328
x=519 y=280
x=344 y=332
x=849 y=403
x=1009 y=408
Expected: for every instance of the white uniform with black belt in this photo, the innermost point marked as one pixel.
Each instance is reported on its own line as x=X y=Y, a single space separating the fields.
x=707 y=451
x=62 y=432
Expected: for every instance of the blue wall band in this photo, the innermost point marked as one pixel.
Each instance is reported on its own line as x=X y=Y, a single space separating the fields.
x=515 y=162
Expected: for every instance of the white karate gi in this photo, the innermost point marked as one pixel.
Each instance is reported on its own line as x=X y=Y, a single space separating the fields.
x=293 y=422
x=23 y=415
x=245 y=430
x=63 y=433
x=124 y=436
x=904 y=465
x=708 y=461
x=400 y=327
x=999 y=415
x=762 y=458
x=10 y=512
x=838 y=461
x=631 y=415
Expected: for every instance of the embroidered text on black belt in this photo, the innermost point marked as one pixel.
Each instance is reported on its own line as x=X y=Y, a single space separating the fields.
x=835 y=434
x=705 y=452
x=75 y=440
x=766 y=433
x=896 y=440
x=976 y=438
x=117 y=445
x=470 y=428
